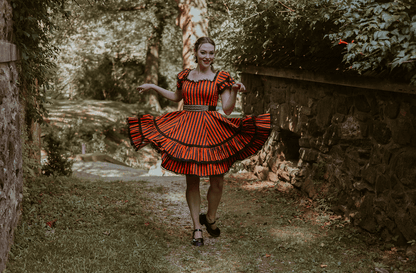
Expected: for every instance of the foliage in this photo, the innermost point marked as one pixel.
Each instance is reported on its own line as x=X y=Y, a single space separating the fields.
x=106 y=77
x=30 y=163
x=384 y=34
x=33 y=27
x=302 y=33
x=103 y=48
x=58 y=163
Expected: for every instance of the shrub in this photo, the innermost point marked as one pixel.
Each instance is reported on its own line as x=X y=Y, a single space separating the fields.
x=58 y=163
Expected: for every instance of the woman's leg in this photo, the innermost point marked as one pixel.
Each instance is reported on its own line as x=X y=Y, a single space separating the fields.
x=214 y=197
x=193 y=198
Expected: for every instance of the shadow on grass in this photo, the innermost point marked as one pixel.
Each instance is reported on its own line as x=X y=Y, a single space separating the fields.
x=69 y=225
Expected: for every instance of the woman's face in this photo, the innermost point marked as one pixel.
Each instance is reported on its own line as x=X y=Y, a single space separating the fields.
x=205 y=54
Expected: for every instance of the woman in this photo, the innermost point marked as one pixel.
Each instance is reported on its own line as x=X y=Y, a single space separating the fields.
x=198 y=141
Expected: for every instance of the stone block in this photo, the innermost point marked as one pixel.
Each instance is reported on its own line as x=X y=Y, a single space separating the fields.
x=382 y=184
x=309 y=155
x=402 y=132
x=309 y=187
x=313 y=129
x=325 y=110
x=307 y=111
x=278 y=95
x=405 y=226
x=337 y=118
x=332 y=135
x=304 y=142
x=392 y=109
x=403 y=166
x=369 y=174
x=367 y=220
x=362 y=104
x=350 y=129
x=381 y=133
x=284 y=187
x=343 y=105
x=261 y=172
x=360 y=116
x=272 y=177
x=11 y=174
x=364 y=129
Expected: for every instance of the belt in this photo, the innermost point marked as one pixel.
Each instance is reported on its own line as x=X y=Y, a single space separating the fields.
x=190 y=107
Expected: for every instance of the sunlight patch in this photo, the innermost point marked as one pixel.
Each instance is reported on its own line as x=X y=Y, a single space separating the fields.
x=292 y=234
x=258 y=185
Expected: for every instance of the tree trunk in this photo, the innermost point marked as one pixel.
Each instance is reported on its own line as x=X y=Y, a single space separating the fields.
x=194 y=24
x=151 y=71
x=193 y=21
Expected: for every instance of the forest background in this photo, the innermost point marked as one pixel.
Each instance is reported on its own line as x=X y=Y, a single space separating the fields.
x=99 y=49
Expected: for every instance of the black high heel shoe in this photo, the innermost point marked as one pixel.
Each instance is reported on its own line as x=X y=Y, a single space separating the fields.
x=197 y=241
x=204 y=221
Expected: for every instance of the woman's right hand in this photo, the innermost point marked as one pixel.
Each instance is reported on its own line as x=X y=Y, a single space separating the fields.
x=145 y=87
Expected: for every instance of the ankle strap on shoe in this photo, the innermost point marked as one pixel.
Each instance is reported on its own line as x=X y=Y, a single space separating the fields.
x=195 y=230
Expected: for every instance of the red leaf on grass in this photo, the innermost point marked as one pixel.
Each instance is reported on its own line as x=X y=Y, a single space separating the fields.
x=51 y=223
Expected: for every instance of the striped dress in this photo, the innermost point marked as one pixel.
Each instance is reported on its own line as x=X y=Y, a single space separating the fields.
x=200 y=143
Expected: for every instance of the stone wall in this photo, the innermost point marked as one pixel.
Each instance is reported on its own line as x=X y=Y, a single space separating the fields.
x=357 y=136
x=11 y=174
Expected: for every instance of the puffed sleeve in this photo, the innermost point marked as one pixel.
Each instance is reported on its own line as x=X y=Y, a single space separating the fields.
x=181 y=77
x=225 y=81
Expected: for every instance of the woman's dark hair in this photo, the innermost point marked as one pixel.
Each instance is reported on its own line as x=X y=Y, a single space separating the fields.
x=200 y=41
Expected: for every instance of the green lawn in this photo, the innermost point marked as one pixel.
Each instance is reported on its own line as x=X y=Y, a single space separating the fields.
x=71 y=225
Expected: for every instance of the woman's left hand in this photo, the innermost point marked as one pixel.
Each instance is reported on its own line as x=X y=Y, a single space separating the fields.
x=239 y=87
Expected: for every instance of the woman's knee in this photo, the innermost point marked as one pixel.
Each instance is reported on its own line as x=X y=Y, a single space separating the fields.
x=217 y=182
x=192 y=182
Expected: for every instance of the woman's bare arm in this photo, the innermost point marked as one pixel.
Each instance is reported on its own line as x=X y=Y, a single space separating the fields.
x=229 y=97
x=173 y=96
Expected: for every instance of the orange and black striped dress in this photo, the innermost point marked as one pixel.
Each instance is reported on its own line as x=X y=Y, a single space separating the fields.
x=201 y=143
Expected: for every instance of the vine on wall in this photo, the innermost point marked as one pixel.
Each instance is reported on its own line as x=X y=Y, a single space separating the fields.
x=33 y=26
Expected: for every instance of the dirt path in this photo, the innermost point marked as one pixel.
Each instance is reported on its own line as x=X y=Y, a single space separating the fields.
x=265 y=230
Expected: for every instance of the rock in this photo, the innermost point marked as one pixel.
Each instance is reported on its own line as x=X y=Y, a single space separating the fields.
x=261 y=172
x=392 y=109
x=309 y=187
x=283 y=175
x=362 y=104
x=244 y=175
x=273 y=177
x=366 y=209
x=304 y=142
x=246 y=163
x=381 y=270
x=308 y=154
x=411 y=250
x=284 y=187
x=337 y=118
x=350 y=129
x=381 y=133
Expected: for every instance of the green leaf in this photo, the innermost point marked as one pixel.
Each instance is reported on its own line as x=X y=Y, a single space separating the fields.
x=382 y=35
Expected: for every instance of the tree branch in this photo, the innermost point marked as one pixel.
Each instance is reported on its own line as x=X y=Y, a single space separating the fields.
x=286 y=6
x=134 y=8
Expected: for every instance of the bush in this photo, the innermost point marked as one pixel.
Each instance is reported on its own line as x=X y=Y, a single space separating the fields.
x=58 y=163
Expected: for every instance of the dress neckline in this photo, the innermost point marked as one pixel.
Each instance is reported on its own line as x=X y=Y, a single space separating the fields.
x=213 y=80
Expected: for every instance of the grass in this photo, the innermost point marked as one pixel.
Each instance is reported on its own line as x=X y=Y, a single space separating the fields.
x=116 y=227
x=71 y=225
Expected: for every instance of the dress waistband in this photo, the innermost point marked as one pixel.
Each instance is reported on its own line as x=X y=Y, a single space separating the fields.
x=190 y=107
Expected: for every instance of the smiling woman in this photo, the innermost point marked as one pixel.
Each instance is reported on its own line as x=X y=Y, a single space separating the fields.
x=198 y=141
